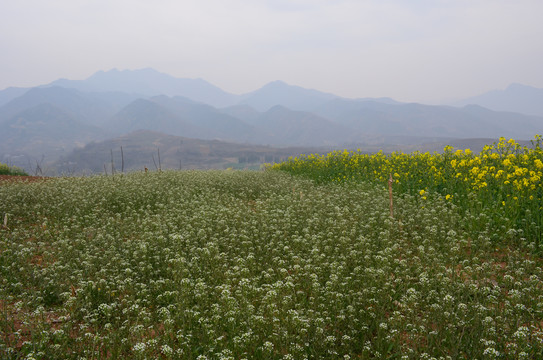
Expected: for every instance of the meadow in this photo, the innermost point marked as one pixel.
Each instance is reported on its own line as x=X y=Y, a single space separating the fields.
x=264 y=265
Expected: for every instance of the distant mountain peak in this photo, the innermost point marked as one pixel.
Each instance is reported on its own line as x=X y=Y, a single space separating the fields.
x=514 y=86
x=276 y=83
x=522 y=87
x=278 y=108
x=282 y=85
x=100 y=73
x=280 y=93
x=125 y=72
x=516 y=97
x=150 y=82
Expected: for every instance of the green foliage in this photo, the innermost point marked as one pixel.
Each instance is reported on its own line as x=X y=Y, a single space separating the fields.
x=504 y=181
x=11 y=170
x=255 y=265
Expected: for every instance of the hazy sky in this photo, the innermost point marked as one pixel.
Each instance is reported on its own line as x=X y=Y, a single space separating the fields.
x=411 y=50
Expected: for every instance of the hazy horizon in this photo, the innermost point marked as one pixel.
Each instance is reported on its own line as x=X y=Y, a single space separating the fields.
x=422 y=51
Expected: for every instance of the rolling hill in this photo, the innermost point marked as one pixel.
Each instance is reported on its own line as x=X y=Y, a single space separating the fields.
x=141 y=150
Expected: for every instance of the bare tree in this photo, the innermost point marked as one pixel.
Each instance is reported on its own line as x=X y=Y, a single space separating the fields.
x=159 y=166
x=38 y=169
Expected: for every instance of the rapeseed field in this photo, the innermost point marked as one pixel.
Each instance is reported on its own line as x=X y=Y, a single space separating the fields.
x=504 y=181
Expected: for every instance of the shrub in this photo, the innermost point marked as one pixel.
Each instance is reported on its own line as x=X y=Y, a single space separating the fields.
x=11 y=170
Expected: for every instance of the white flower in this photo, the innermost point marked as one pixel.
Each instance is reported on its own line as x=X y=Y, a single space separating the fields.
x=166 y=350
x=491 y=352
x=139 y=347
x=268 y=346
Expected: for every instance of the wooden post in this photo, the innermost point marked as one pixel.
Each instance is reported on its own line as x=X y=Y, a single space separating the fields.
x=112 y=163
x=154 y=162
x=159 y=165
x=122 y=160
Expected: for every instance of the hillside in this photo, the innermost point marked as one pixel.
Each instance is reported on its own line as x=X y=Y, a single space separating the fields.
x=11 y=93
x=141 y=150
x=212 y=123
x=281 y=93
x=33 y=134
x=90 y=108
x=286 y=127
x=378 y=119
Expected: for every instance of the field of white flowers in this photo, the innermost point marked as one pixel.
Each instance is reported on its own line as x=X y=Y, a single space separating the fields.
x=255 y=265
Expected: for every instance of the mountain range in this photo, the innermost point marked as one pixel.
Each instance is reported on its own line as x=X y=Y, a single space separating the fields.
x=55 y=119
x=515 y=98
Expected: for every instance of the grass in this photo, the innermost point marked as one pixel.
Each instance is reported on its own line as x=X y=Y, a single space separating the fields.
x=257 y=265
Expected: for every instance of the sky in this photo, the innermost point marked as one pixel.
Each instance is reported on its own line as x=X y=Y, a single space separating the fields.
x=430 y=51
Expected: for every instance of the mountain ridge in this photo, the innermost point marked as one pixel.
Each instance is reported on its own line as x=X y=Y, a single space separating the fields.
x=34 y=132
x=149 y=82
x=277 y=114
x=516 y=97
